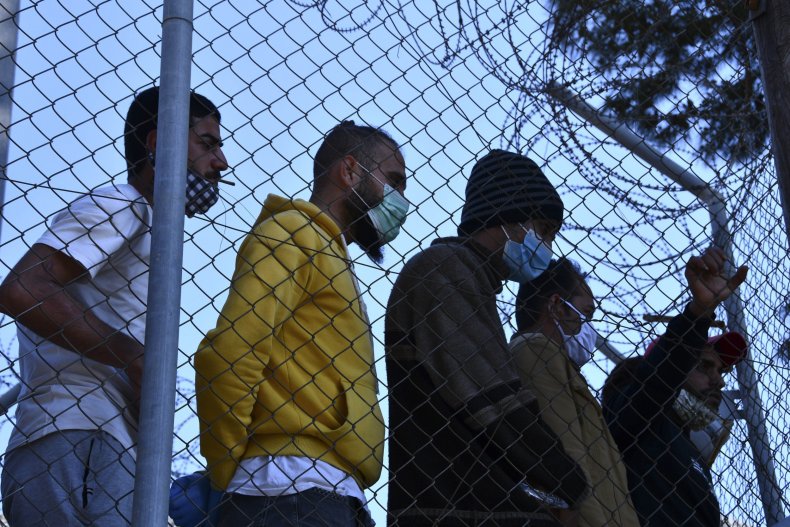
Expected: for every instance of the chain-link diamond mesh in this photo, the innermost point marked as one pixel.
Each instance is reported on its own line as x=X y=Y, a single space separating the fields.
x=449 y=81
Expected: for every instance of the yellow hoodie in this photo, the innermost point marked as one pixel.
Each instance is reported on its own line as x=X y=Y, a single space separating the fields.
x=289 y=368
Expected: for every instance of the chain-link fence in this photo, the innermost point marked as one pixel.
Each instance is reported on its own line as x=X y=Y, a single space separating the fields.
x=449 y=81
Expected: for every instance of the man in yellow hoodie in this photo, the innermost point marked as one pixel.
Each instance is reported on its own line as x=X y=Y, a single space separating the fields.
x=286 y=390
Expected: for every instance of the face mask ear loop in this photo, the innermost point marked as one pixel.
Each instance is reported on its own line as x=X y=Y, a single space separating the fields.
x=553 y=312
x=371 y=174
x=357 y=194
x=582 y=318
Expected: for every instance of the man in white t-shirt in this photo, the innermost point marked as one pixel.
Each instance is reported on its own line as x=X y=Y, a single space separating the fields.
x=79 y=299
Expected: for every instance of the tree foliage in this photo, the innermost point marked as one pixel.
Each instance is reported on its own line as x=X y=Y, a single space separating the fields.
x=676 y=70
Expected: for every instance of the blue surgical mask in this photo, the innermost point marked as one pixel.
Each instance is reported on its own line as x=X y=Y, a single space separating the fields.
x=581 y=346
x=527 y=260
x=389 y=215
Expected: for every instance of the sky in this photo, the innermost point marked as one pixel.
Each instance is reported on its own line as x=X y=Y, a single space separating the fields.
x=283 y=73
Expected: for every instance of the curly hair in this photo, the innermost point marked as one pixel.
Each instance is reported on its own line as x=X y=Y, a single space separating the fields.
x=562 y=277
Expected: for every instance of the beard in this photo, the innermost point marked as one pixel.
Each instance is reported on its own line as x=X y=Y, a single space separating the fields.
x=362 y=230
x=694 y=412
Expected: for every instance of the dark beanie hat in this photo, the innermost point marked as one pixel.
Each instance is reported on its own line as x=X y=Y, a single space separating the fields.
x=506 y=187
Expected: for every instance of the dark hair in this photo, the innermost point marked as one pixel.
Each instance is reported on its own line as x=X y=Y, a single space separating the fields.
x=622 y=375
x=348 y=138
x=142 y=118
x=562 y=277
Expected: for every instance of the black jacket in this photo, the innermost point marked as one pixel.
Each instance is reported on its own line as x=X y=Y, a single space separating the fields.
x=464 y=431
x=669 y=482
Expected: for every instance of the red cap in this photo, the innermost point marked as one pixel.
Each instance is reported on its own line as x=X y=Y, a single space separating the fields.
x=730 y=346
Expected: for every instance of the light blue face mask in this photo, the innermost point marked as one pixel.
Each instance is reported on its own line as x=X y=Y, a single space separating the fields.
x=581 y=346
x=389 y=215
x=527 y=260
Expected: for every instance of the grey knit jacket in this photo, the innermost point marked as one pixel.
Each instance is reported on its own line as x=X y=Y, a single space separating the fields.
x=465 y=436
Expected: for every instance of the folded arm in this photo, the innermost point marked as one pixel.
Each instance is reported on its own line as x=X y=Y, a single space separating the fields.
x=34 y=293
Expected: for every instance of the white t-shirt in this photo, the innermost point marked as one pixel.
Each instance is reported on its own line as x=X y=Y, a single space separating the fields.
x=109 y=233
x=283 y=475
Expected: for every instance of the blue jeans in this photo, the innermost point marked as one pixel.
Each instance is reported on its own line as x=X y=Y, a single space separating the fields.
x=310 y=508
x=71 y=478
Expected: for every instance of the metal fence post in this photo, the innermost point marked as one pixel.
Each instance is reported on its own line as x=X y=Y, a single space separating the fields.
x=772 y=39
x=8 y=40
x=157 y=407
x=753 y=411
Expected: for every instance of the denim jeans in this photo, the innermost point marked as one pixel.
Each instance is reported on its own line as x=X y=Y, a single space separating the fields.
x=310 y=508
x=69 y=478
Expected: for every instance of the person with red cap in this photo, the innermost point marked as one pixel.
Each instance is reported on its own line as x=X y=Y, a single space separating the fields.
x=653 y=403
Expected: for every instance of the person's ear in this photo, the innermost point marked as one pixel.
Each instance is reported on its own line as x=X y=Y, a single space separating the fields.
x=554 y=305
x=347 y=175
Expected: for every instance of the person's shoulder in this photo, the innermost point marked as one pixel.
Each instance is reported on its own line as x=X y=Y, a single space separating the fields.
x=442 y=251
x=291 y=219
x=288 y=219
x=446 y=260
x=626 y=379
x=291 y=227
x=123 y=192
x=111 y=199
x=115 y=207
x=536 y=348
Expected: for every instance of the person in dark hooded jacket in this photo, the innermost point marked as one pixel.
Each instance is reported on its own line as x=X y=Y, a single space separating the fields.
x=652 y=404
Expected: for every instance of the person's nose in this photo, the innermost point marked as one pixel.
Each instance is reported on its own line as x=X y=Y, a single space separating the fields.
x=218 y=161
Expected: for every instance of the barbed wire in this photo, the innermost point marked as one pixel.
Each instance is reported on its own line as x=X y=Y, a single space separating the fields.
x=455 y=79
